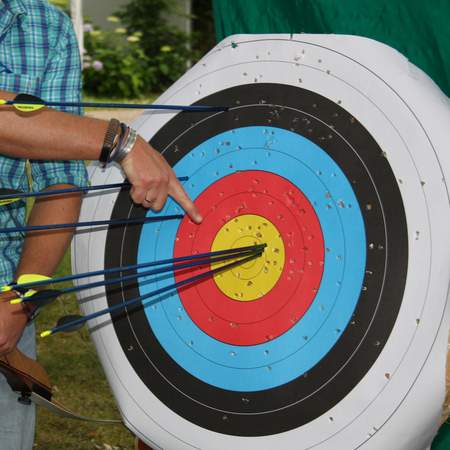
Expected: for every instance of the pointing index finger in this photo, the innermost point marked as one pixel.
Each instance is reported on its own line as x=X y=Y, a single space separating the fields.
x=178 y=193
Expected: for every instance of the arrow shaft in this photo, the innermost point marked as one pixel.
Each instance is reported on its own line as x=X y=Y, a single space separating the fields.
x=58 y=226
x=134 y=276
x=11 y=194
x=154 y=293
x=189 y=108
x=35 y=284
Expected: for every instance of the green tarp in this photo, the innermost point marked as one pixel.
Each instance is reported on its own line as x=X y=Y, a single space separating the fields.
x=418 y=29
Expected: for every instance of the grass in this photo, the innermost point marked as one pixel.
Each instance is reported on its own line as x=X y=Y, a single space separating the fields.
x=79 y=384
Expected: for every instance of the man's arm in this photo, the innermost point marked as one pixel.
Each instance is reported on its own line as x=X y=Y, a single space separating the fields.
x=56 y=135
x=41 y=254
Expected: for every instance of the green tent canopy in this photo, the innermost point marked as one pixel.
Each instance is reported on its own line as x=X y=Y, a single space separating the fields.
x=420 y=30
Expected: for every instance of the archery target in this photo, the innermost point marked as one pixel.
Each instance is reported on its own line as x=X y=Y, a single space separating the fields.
x=322 y=341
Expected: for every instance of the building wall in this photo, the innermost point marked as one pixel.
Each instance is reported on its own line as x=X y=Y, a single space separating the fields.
x=99 y=10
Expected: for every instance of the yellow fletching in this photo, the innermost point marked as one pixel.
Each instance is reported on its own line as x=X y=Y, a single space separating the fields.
x=8 y=201
x=5 y=288
x=31 y=278
x=16 y=301
x=24 y=107
x=2 y=101
x=29 y=293
x=46 y=333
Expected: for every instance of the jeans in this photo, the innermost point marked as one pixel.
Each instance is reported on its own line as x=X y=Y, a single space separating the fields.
x=16 y=420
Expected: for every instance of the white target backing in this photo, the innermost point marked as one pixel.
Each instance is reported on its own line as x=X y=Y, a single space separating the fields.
x=338 y=144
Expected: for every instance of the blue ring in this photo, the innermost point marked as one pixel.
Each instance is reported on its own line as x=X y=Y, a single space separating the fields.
x=264 y=366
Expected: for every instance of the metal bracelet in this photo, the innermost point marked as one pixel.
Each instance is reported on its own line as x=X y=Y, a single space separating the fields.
x=124 y=131
x=126 y=147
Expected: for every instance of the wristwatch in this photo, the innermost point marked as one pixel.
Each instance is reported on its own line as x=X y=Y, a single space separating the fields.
x=108 y=143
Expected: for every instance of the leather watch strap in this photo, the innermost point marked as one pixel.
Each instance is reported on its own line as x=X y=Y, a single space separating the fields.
x=110 y=136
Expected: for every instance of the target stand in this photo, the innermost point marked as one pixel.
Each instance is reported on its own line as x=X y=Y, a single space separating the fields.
x=334 y=153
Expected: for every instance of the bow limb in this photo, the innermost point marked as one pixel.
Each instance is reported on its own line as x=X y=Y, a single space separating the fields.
x=27 y=377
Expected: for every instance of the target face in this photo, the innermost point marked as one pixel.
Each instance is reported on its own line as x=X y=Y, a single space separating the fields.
x=270 y=348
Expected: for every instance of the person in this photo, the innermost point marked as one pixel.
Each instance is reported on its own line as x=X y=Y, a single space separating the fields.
x=39 y=56
x=69 y=137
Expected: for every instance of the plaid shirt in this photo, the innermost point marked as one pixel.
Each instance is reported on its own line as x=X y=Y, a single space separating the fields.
x=38 y=55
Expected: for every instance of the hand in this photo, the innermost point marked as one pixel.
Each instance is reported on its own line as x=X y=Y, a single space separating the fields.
x=153 y=180
x=12 y=323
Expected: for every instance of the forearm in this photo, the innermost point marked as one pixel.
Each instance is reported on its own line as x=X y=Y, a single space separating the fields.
x=36 y=136
x=42 y=251
x=41 y=254
x=48 y=134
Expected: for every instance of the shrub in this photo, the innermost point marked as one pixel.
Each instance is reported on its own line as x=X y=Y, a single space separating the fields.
x=115 y=65
x=166 y=48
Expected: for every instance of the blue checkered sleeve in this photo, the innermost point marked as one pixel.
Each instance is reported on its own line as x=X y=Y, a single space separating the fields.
x=61 y=82
x=39 y=56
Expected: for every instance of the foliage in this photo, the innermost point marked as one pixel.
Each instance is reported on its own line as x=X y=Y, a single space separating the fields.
x=115 y=65
x=166 y=47
x=144 y=54
x=203 y=34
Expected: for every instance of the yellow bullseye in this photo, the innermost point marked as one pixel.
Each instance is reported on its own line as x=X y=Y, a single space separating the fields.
x=256 y=278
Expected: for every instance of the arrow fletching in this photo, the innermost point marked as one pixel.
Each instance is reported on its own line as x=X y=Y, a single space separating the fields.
x=10 y=193
x=39 y=299
x=70 y=323
x=32 y=278
x=29 y=278
x=27 y=103
x=27 y=294
x=45 y=297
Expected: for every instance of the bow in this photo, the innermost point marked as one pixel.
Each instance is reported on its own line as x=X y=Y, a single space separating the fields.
x=32 y=383
x=28 y=378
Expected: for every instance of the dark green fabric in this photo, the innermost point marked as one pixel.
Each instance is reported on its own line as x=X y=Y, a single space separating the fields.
x=442 y=440
x=419 y=29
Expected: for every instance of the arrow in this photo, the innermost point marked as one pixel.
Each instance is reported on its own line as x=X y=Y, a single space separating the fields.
x=25 y=282
x=8 y=196
x=40 y=299
x=28 y=281
x=72 y=325
x=29 y=103
x=49 y=295
x=58 y=226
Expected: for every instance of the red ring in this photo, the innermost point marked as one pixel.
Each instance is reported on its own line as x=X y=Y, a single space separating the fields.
x=279 y=201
